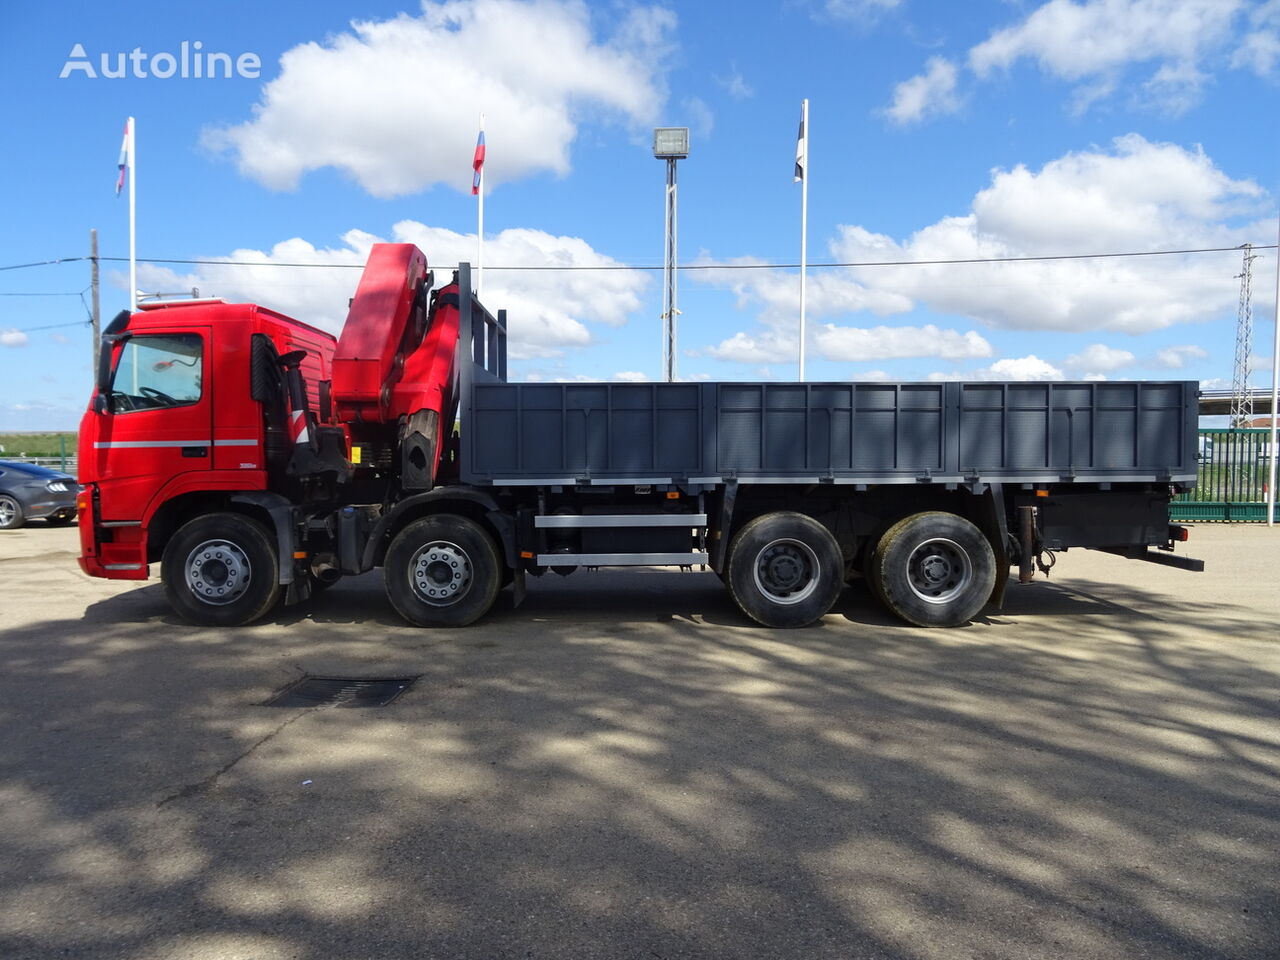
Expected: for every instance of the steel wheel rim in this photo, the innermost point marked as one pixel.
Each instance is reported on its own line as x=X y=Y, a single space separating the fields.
x=787 y=571
x=939 y=570
x=8 y=511
x=218 y=572
x=440 y=573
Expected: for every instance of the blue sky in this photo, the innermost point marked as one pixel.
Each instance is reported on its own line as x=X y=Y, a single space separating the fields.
x=938 y=130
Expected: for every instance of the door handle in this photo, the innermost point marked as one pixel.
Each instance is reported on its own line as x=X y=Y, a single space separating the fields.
x=195 y=451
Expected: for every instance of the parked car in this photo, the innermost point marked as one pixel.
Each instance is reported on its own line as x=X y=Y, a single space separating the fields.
x=29 y=492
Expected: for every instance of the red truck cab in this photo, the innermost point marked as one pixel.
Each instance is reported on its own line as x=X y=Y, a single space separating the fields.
x=174 y=417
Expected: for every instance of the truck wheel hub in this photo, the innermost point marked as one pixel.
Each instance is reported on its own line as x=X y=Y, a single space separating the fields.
x=440 y=573
x=786 y=571
x=939 y=570
x=218 y=572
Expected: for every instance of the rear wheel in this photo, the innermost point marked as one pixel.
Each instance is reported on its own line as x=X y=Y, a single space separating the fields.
x=784 y=570
x=221 y=570
x=442 y=571
x=11 y=517
x=933 y=569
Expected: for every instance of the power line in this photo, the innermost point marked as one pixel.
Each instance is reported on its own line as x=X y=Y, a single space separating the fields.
x=45 y=263
x=737 y=266
x=73 y=293
x=53 y=326
x=687 y=266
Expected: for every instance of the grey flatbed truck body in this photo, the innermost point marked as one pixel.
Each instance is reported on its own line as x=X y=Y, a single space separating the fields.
x=705 y=434
x=841 y=433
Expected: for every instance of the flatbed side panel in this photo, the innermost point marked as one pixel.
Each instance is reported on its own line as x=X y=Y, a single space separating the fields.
x=894 y=431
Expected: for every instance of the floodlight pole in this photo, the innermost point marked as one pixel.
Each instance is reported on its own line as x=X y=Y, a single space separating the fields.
x=669 y=309
x=670 y=144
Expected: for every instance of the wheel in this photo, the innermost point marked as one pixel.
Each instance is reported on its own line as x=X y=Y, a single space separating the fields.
x=442 y=571
x=784 y=570
x=933 y=569
x=221 y=570
x=11 y=517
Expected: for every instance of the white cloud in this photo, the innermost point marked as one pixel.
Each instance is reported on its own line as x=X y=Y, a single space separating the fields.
x=700 y=118
x=851 y=344
x=1175 y=358
x=13 y=338
x=735 y=84
x=1102 y=46
x=887 y=343
x=1029 y=367
x=1097 y=359
x=768 y=347
x=59 y=414
x=931 y=93
x=1136 y=196
x=547 y=311
x=1259 y=52
x=631 y=376
x=394 y=103
x=1093 y=43
x=860 y=11
x=1259 y=49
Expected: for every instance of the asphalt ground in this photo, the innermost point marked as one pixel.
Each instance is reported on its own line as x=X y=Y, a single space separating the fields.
x=625 y=767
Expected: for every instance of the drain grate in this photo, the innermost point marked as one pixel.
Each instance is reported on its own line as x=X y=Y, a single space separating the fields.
x=341 y=692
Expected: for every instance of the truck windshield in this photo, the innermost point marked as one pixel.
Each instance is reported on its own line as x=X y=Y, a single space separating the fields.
x=157 y=371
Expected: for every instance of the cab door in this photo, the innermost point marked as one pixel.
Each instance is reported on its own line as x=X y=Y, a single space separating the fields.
x=156 y=421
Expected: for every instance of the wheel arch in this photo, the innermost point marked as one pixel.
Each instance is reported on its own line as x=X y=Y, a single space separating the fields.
x=269 y=509
x=472 y=504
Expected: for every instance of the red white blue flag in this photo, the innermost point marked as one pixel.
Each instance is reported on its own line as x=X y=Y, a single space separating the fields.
x=477 y=164
x=124 y=159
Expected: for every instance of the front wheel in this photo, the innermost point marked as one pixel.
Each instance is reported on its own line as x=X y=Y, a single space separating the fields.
x=933 y=569
x=221 y=570
x=442 y=571
x=785 y=570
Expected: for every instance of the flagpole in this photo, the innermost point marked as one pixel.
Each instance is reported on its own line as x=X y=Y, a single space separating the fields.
x=133 y=223
x=480 y=225
x=1275 y=394
x=804 y=227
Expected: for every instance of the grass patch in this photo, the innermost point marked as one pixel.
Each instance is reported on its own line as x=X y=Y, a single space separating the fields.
x=37 y=444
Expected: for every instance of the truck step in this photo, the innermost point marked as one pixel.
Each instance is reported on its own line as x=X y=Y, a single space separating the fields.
x=564 y=522
x=622 y=559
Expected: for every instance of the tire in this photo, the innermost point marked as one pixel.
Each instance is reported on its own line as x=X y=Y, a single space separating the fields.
x=221 y=570
x=933 y=569
x=785 y=570
x=11 y=517
x=442 y=571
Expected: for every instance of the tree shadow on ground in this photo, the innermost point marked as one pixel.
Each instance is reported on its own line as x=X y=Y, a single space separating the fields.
x=634 y=771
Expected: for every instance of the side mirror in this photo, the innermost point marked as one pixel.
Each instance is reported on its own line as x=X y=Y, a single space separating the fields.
x=99 y=403
x=104 y=367
x=112 y=335
x=104 y=360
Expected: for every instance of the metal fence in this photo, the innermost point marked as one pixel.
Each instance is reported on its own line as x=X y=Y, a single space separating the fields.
x=66 y=464
x=1232 y=478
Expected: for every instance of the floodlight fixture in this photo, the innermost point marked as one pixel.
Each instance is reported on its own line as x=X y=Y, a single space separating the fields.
x=671 y=143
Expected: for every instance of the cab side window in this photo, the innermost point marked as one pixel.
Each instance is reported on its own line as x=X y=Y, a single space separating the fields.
x=156 y=371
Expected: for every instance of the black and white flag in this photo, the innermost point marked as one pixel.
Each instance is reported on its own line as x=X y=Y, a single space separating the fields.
x=802 y=148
